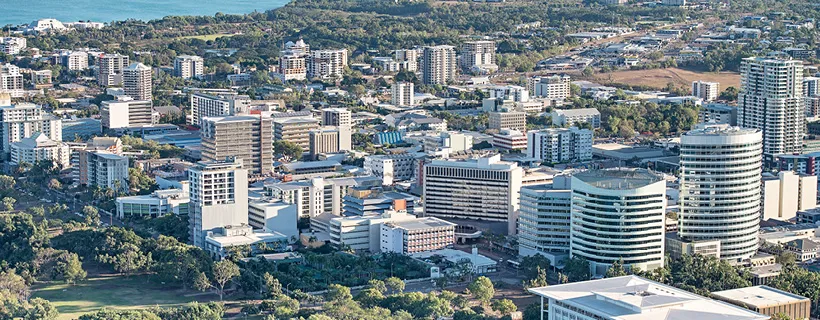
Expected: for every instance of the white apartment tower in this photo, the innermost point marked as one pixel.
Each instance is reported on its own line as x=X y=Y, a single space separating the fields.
x=771 y=100
x=246 y=138
x=481 y=189
x=208 y=105
x=117 y=114
x=560 y=145
x=109 y=69
x=292 y=67
x=336 y=117
x=618 y=214
x=720 y=188
x=478 y=55
x=219 y=197
x=407 y=59
x=21 y=121
x=11 y=80
x=326 y=64
x=136 y=81
x=555 y=87
x=74 y=60
x=403 y=94
x=544 y=220
x=708 y=91
x=188 y=67
x=438 y=65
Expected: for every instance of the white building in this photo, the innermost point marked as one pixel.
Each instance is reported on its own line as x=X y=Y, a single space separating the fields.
x=560 y=145
x=416 y=235
x=188 y=67
x=618 y=214
x=220 y=240
x=73 y=60
x=484 y=188
x=771 y=100
x=787 y=193
x=509 y=139
x=573 y=117
x=632 y=298
x=326 y=64
x=157 y=204
x=329 y=140
x=407 y=59
x=393 y=167
x=515 y=120
x=544 y=220
x=208 y=105
x=109 y=69
x=39 y=147
x=125 y=113
x=479 y=56
x=22 y=121
x=720 y=188
x=512 y=93
x=718 y=113
x=317 y=196
x=136 y=81
x=274 y=216
x=708 y=91
x=336 y=117
x=12 y=45
x=219 y=197
x=105 y=169
x=292 y=67
x=438 y=65
x=403 y=94
x=555 y=87
x=11 y=80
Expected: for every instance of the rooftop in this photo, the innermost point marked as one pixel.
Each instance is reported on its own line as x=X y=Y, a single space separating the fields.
x=422 y=223
x=719 y=130
x=759 y=296
x=578 y=112
x=311 y=164
x=619 y=179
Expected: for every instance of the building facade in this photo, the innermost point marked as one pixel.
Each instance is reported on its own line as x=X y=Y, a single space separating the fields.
x=40 y=148
x=217 y=105
x=544 y=220
x=326 y=64
x=560 y=145
x=438 y=65
x=120 y=114
x=403 y=94
x=22 y=121
x=247 y=138
x=479 y=56
x=188 y=67
x=136 y=81
x=708 y=91
x=218 y=197
x=514 y=120
x=109 y=69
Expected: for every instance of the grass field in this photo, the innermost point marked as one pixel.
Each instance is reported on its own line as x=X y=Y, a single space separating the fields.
x=112 y=292
x=207 y=37
x=658 y=78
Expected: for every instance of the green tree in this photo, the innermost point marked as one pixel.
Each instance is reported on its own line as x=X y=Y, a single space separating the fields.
x=504 y=306
x=369 y=297
x=336 y=292
x=394 y=284
x=8 y=203
x=287 y=149
x=378 y=285
x=616 y=270
x=92 y=215
x=73 y=269
x=107 y=314
x=223 y=273
x=577 y=269
x=128 y=259
x=40 y=309
x=482 y=289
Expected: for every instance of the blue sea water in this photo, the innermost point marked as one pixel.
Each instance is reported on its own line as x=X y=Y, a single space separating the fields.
x=25 y=11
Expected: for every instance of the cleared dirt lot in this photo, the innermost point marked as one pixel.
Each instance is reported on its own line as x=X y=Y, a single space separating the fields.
x=658 y=78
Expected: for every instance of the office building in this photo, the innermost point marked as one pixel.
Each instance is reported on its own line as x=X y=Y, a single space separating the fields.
x=786 y=193
x=479 y=189
x=618 y=214
x=336 y=117
x=217 y=105
x=136 y=81
x=575 y=117
x=560 y=145
x=219 y=197
x=771 y=100
x=40 y=148
x=509 y=139
x=274 y=216
x=23 y=120
x=370 y=200
x=154 y=205
x=73 y=60
x=718 y=113
x=188 y=67
x=544 y=220
x=391 y=168
x=708 y=91
x=720 y=188
x=11 y=80
x=416 y=235
x=768 y=301
x=120 y=114
x=326 y=64
x=295 y=130
x=109 y=69
x=246 y=138
x=514 y=120
x=632 y=298
x=438 y=65
x=329 y=140
x=104 y=169
x=403 y=94
x=219 y=242
x=478 y=56
x=316 y=196
x=12 y=45
x=676 y=247
x=556 y=87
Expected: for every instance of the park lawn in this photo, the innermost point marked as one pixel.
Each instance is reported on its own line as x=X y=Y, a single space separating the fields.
x=113 y=292
x=207 y=37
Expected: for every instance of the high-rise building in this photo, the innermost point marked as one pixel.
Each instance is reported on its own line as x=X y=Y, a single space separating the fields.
x=558 y=145
x=136 y=81
x=188 y=67
x=218 y=197
x=403 y=94
x=771 y=100
x=210 y=105
x=720 y=188
x=544 y=220
x=479 y=56
x=336 y=117
x=11 y=80
x=574 y=117
x=40 y=147
x=21 y=121
x=295 y=130
x=317 y=196
x=618 y=214
x=325 y=64
x=104 y=169
x=393 y=167
x=246 y=138
x=117 y=114
x=438 y=65
x=109 y=69
x=12 y=45
x=708 y=91
x=407 y=59
x=329 y=140
x=481 y=189
x=73 y=60
x=555 y=87
x=292 y=67
x=787 y=193
x=514 y=120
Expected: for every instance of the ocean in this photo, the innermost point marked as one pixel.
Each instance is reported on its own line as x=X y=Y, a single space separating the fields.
x=16 y=12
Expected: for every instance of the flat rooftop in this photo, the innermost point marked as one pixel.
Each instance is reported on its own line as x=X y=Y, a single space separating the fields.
x=619 y=179
x=422 y=223
x=759 y=296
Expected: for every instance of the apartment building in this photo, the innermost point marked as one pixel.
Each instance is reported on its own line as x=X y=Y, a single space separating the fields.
x=708 y=91
x=188 y=67
x=326 y=64
x=407 y=59
x=104 y=169
x=509 y=139
x=438 y=65
x=216 y=105
x=555 y=87
x=392 y=168
x=218 y=197
x=24 y=120
x=786 y=193
x=40 y=148
x=479 y=56
x=295 y=130
x=329 y=140
x=73 y=60
x=509 y=93
x=11 y=81
x=126 y=113
x=292 y=67
x=544 y=220
x=560 y=145
x=402 y=94
x=136 y=81
x=246 y=138
x=109 y=69
x=514 y=120
x=318 y=195
x=336 y=117
x=574 y=117
x=12 y=45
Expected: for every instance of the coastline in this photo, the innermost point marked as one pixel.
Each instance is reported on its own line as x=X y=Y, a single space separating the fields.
x=22 y=13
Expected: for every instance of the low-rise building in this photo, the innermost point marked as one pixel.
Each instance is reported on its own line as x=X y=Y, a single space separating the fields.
x=219 y=242
x=274 y=216
x=718 y=113
x=417 y=235
x=393 y=167
x=574 y=117
x=768 y=301
x=307 y=168
x=676 y=247
x=104 y=169
x=479 y=264
x=157 y=204
x=510 y=139
x=40 y=148
x=508 y=120
x=560 y=145
x=120 y=114
x=368 y=201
